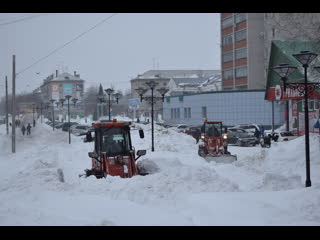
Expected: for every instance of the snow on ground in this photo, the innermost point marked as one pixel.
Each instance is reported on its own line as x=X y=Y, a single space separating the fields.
x=264 y=187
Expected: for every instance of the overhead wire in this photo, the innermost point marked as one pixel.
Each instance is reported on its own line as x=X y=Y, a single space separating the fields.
x=67 y=43
x=21 y=19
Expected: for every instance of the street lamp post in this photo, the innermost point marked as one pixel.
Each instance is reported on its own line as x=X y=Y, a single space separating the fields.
x=52 y=101
x=283 y=70
x=61 y=101
x=152 y=85
x=68 y=99
x=109 y=91
x=41 y=111
x=141 y=91
x=74 y=100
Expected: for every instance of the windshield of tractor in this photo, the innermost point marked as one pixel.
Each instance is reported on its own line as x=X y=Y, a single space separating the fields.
x=213 y=129
x=115 y=141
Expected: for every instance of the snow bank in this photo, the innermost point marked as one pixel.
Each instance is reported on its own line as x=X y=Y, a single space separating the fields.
x=264 y=187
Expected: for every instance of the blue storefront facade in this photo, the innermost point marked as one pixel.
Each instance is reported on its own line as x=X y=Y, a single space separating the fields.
x=231 y=107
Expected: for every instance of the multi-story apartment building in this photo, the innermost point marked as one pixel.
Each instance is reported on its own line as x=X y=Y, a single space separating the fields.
x=58 y=86
x=242 y=51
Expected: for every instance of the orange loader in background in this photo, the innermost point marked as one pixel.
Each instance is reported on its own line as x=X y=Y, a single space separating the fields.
x=213 y=143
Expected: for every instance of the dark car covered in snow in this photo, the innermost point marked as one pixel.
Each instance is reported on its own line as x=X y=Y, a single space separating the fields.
x=240 y=137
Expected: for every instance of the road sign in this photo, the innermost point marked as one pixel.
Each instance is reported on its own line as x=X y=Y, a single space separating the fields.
x=134 y=103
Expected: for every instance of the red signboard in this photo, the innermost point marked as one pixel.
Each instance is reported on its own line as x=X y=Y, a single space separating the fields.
x=277 y=93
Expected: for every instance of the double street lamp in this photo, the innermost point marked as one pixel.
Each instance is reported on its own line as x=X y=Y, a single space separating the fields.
x=74 y=100
x=152 y=99
x=109 y=91
x=306 y=90
x=102 y=99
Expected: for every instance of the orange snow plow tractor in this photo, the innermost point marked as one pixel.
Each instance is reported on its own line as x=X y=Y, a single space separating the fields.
x=113 y=153
x=213 y=144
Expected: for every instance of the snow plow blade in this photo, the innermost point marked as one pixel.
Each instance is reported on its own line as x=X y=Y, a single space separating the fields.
x=222 y=158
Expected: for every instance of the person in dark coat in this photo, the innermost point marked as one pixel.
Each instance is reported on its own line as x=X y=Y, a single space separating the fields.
x=257 y=133
x=28 y=129
x=262 y=131
x=23 y=129
x=197 y=135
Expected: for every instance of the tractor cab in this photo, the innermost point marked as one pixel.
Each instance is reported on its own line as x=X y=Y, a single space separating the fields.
x=113 y=152
x=211 y=129
x=214 y=141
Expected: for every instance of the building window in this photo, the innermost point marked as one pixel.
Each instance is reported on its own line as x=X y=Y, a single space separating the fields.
x=178 y=113
x=241 y=53
x=227 y=22
x=228 y=74
x=204 y=112
x=239 y=17
x=172 y=113
x=227 y=57
x=241 y=72
x=241 y=35
x=312 y=105
x=187 y=113
x=227 y=40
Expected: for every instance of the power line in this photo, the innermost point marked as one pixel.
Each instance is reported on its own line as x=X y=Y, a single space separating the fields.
x=21 y=19
x=77 y=37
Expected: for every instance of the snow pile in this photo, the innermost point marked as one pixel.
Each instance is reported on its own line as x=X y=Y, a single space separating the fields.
x=264 y=187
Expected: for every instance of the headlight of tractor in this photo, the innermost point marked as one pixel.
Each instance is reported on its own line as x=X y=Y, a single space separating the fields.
x=224 y=136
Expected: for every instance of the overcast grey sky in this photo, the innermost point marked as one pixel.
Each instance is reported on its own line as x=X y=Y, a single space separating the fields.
x=114 y=52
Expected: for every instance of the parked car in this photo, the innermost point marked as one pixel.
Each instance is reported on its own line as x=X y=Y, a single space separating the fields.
x=192 y=130
x=79 y=130
x=65 y=126
x=240 y=137
x=58 y=125
x=182 y=127
x=284 y=136
x=251 y=128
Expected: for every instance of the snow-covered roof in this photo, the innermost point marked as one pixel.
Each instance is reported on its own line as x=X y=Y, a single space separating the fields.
x=179 y=73
x=66 y=76
x=192 y=81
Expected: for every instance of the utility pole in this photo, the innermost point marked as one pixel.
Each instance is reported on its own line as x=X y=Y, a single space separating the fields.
x=272 y=116
x=41 y=111
x=13 y=115
x=7 y=107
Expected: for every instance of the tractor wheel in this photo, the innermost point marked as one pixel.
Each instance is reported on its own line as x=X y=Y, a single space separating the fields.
x=202 y=152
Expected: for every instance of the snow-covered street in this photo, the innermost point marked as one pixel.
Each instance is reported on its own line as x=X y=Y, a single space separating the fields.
x=264 y=187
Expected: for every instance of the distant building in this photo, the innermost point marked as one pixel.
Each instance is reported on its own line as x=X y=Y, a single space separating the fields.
x=57 y=86
x=231 y=107
x=177 y=81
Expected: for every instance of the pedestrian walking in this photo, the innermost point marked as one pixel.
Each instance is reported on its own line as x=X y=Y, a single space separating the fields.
x=257 y=133
x=23 y=129
x=34 y=123
x=197 y=135
x=262 y=131
x=28 y=129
